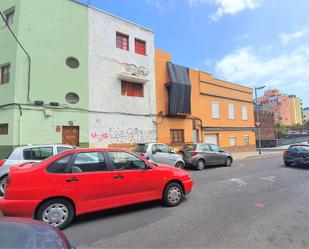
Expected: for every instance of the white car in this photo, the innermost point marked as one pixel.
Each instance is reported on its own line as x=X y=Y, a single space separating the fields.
x=159 y=153
x=31 y=153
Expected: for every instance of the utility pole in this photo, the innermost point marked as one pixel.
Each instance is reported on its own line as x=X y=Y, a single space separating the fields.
x=258 y=123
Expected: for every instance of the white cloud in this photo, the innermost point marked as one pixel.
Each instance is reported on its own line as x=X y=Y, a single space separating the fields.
x=162 y=5
x=228 y=7
x=247 y=65
x=288 y=37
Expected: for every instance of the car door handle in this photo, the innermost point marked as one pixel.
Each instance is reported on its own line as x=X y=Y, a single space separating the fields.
x=118 y=176
x=74 y=179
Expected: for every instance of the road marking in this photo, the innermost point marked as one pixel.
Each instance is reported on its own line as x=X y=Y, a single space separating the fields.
x=239 y=181
x=268 y=178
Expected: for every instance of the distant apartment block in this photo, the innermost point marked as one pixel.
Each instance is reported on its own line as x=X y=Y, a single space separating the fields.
x=287 y=109
x=306 y=115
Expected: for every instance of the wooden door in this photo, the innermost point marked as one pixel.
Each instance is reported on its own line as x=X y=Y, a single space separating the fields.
x=70 y=135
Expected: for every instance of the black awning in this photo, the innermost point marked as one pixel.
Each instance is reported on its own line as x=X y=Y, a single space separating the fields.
x=179 y=90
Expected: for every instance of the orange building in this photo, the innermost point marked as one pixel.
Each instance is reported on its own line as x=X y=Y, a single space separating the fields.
x=195 y=107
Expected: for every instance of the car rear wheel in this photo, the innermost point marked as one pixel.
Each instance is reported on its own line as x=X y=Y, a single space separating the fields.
x=56 y=212
x=180 y=165
x=228 y=162
x=200 y=165
x=287 y=164
x=3 y=182
x=172 y=195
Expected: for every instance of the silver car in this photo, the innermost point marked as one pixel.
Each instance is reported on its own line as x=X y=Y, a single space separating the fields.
x=160 y=153
x=201 y=155
x=31 y=153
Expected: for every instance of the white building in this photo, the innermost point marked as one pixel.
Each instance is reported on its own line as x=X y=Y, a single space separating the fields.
x=121 y=81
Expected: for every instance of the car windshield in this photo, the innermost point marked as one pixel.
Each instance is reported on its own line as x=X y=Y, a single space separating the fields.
x=142 y=148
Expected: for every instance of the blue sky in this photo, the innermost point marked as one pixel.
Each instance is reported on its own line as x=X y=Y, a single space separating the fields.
x=249 y=42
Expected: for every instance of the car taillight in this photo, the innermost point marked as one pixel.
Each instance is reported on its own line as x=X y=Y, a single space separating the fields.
x=142 y=154
x=2 y=162
x=286 y=153
x=193 y=153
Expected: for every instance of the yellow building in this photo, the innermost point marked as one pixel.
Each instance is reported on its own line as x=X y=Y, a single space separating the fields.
x=195 y=107
x=295 y=110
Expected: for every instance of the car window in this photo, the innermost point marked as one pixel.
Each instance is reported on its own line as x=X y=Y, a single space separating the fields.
x=142 y=148
x=38 y=153
x=294 y=148
x=62 y=149
x=89 y=162
x=304 y=148
x=154 y=148
x=204 y=147
x=163 y=148
x=214 y=148
x=126 y=161
x=59 y=166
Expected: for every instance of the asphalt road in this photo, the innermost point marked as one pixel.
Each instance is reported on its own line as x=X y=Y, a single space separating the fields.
x=257 y=203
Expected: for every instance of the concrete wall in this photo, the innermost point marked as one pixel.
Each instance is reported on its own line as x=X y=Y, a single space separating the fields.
x=51 y=31
x=116 y=117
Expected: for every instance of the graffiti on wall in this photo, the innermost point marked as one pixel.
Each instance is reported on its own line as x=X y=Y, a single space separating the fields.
x=115 y=135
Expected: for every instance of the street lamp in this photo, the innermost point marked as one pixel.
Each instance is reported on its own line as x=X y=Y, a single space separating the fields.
x=258 y=116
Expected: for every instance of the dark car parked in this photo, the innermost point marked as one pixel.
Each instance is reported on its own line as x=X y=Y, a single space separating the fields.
x=201 y=155
x=297 y=154
x=18 y=233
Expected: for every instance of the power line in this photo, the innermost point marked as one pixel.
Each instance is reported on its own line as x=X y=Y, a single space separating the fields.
x=27 y=54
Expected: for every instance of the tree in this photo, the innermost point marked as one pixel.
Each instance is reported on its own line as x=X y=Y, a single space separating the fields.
x=282 y=131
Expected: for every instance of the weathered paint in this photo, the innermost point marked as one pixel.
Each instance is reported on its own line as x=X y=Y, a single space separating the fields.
x=111 y=124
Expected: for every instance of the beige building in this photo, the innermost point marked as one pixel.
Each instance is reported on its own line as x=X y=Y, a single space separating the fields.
x=295 y=110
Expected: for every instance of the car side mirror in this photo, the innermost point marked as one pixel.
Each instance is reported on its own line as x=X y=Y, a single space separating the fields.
x=222 y=151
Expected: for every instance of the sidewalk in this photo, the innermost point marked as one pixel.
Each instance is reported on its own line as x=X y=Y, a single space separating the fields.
x=243 y=155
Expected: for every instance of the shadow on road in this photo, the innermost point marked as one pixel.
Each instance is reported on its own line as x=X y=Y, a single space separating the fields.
x=106 y=214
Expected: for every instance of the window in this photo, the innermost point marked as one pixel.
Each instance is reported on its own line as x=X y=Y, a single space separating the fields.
x=4 y=129
x=5 y=74
x=214 y=148
x=232 y=141
x=231 y=114
x=246 y=140
x=177 y=136
x=204 y=147
x=126 y=161
x=38 y=153
x=122 y=41
x=161 y=148
x=72 y=98
x=59 y=166
x=132 y=89
x=215 y=110
x=72 y=62
x=89 y=162
x=140 y=47
x=62 y=149
x=9 y=17
x=244 y=112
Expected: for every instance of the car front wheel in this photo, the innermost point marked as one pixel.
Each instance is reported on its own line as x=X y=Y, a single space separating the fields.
x=56 y=212
x=3 y=182
x=228 y=162
x=172 y=195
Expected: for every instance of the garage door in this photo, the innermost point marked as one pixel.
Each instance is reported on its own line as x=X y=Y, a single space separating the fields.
x=212 y=139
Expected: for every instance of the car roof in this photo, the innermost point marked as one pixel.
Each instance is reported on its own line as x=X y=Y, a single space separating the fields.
x=30 y=232
x=43 y=145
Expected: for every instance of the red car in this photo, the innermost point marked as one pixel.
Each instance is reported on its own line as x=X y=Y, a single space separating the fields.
x=87 y=180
